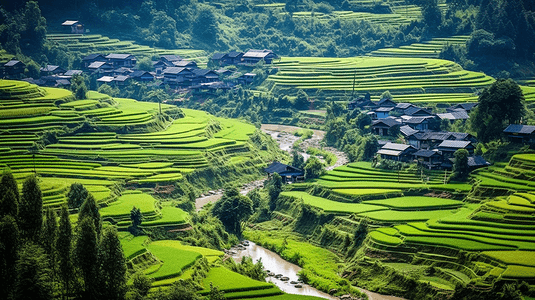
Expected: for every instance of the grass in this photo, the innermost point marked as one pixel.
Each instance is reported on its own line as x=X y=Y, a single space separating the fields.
x=521 y=258
x=229 y=281
x=389 y=216
x=121 y=208
x=170 y=216
x=174 y=260
x=415 y=203
x=333 y=206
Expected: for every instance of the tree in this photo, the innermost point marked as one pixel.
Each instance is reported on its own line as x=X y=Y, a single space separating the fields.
x=141 y=284
x=78 y=87
x=9 y=204
x=460 y=167
x=314 y=168
x=86 y=252
x=297 y=160
x=34 y=279
x=112 y=265
x=157 y=96
x=205 y=25
x=274 y=187
x=431 y=15
x=34 y=33
x=9 y=242
x=145 y=64
x=49 y=236
x=76 y=195
x=232 y=209
x=136 y=217
x=90 y=209
x=9 y=195
x=215 y=293
x=31 y=209
x=301 y=101
x=500 y=105
x=64 y=250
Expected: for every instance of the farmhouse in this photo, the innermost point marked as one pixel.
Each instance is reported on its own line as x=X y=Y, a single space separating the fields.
x=141 y=75
x=91 y=58
x=468 y=107
x=383 y=112
x=246 y=78
x=73 y=27
x=100 y=67
x=185 y=64
x=253 y=56
x=414 y=111
x=288 y=173
x=397 y=152
x=417 y=123
x=204 y=76
x=14 y=68
x=431 y=139
x=520 y=133
x=384 y=127
x=386 y=102
x=121 y=60
x=170 y=59
x=431 y=159
x=448 y=147
x=177 y=76
x=71 y=73
x=460 y=114
x=52 y=70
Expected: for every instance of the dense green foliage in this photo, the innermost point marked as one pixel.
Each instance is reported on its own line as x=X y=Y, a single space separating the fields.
x=500 y=105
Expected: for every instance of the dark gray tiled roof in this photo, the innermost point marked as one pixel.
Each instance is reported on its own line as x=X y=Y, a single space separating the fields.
x=395 y=146
x=388 y=122
x=454 y=144
x=517 y=128
x=425 y=153
x=407 y=130
x=477 y=161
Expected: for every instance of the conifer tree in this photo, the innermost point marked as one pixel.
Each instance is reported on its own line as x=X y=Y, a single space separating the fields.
x=33 y=274
x=31 y=210
x=49 y=236
x=86 y=251
x=9 y=242
x=113 y=265
x=64 y=250
x=90 y=209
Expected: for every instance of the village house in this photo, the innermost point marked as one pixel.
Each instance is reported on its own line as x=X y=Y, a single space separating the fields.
x=105 y=80
x=185 y=64
x=121 y=60
x=414 y=111
x=402 y=107
x=468 y=107
x=253 y=56
x=476 y=162
x=74 y=27
x=384 y=127
x=386 y=102
x=100 y=67
x=431 y=139
x=362 y=103
x=383 y=112
x=71 y=73
x=397 y=152
x=454 y=115
x=204 y=76
x=246 y=78
x=520 y=133
x=52 y=70
x=178 y=76
x=417 y=123
x=448 y=147
x=13 y=69
x=141 y=75
x=122 y=71
x=170 y=59
x=288 y=173
x=429 y=158
x=91 y=58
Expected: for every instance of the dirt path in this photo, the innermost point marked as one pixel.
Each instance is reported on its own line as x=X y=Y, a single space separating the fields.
x=216 y=195
x=284 y=135
x=375 y=296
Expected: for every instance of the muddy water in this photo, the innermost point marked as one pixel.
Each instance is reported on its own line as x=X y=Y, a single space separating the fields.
x=274 y=263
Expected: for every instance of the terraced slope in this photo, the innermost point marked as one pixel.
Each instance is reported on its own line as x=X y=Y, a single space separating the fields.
x=95 y=43
x=428 y=49
x=375 y=75
x=500 y=229
x=100 y=141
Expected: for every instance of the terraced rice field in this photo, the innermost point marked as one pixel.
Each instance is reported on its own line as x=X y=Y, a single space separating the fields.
x=401 y=76
x=236 y=285
x=95 y=43
x=428 y=49
x=100 y=141
x=500 y=228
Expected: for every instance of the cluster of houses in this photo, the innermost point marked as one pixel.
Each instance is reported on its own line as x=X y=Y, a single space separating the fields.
x=433 y=149
x=249 y=58
x=169 y=70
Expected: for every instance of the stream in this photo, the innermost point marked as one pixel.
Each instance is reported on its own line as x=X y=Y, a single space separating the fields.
x=276 y=264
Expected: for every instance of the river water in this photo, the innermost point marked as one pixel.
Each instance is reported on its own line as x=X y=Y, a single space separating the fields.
x=276 y=264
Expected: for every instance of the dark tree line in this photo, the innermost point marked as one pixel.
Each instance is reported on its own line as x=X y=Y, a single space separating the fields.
x=41 y=257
